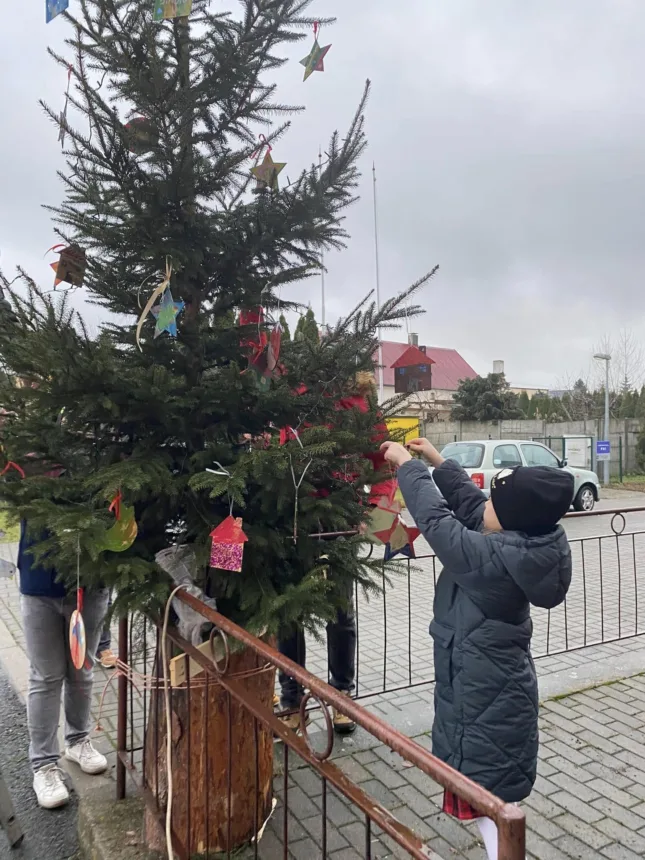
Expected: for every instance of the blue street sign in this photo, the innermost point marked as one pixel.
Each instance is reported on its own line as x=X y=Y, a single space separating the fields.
x=603 y=450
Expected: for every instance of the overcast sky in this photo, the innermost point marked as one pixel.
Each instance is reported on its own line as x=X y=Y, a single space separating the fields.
x=509 y=141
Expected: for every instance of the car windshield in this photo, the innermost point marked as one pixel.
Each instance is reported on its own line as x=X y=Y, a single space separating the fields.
x=469 y=455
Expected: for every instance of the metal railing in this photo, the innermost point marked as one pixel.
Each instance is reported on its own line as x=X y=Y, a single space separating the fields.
x=210 y=677
x=605 y=604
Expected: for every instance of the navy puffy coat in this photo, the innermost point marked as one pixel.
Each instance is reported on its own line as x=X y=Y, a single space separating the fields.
x=486 y=692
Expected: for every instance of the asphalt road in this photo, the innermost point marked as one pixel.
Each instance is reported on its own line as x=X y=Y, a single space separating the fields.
x=50 y=835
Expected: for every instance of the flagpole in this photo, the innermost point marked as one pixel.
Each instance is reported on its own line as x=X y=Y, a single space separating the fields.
x=323 y=319
x=378 y=291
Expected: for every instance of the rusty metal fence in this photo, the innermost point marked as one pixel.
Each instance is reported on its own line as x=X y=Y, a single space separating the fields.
x=208 y=723
x=605 y=604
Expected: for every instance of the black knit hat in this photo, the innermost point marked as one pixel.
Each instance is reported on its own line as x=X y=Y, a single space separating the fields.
x=531 y=499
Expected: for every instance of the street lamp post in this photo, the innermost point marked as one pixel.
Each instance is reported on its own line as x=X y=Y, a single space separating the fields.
x=602 y=356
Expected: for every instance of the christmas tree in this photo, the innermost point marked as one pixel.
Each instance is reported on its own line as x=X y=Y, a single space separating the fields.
x=168 y=192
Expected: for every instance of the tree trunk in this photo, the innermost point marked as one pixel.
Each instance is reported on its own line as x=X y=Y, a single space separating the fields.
x=200 y=761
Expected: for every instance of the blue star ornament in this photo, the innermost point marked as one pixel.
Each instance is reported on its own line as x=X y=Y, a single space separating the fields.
x=54 y=8
x=166 y=313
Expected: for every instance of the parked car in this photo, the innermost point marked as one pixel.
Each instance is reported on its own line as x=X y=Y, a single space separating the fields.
x=484 y=459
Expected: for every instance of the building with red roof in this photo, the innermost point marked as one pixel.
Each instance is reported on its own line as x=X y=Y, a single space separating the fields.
x=446 y=366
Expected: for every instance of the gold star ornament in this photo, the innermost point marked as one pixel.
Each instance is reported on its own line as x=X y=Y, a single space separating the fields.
x=267 y=172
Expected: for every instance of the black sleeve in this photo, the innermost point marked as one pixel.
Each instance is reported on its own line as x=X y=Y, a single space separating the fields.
x=463 y=498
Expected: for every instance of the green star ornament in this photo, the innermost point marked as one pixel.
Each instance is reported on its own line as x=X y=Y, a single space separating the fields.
x=166 y=314
x=315 y=59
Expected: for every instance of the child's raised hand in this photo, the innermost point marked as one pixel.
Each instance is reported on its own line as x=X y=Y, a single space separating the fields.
x=427 y=450
x=395 y=453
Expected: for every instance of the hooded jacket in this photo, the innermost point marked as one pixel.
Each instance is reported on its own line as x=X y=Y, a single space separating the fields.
x=486 y=692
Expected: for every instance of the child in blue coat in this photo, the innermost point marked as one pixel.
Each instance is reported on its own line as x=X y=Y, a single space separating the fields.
x=499 y=556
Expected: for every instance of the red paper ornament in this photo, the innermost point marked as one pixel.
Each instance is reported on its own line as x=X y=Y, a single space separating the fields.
x=227 y=549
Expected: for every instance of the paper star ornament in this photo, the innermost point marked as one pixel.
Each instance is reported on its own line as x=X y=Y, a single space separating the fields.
x=165 y=9
x=315 y=59
x=401 y=541
x=71 y=265
x=54 y=8
x=267 y=172
x=166 y=314
x=381 y=524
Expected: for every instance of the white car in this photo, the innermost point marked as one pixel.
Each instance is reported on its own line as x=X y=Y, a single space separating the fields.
x=482 y=460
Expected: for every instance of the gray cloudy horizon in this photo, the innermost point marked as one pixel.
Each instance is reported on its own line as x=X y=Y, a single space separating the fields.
x=509 y=140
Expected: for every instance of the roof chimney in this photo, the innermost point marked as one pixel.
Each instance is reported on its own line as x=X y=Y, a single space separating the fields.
x=498 y=367
x=413 y=340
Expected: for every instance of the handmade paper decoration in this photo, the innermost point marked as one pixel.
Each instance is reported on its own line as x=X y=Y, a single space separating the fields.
x=71 y=265
x=381 y=524
x=157 y=292
x=63 y=116
x=268 y=170
x=77 y=642
x=384 y=494
x=315 y=59
x=401 y=541
x=141 y=135
x=166 y=314
x=165 y=9
x=123 y=533
x=54 y=8
x=227 y=549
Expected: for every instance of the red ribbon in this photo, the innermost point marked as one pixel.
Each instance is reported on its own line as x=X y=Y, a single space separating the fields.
x=12 y=465
x=79 y=600
x=316 y=28
x=263 y=142
x=116 y=505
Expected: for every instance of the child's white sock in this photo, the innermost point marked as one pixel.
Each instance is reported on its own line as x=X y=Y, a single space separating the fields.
x=488 y=830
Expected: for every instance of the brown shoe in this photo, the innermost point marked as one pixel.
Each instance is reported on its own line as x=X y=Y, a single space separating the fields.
x=107 y=659
x=342 y=724
x=292 y=721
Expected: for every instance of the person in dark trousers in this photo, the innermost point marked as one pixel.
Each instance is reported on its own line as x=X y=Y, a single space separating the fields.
x=46 y=611
x=341 y=656
x=499 y=556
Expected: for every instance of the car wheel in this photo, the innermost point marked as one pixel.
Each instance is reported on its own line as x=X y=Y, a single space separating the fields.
x=585 y=500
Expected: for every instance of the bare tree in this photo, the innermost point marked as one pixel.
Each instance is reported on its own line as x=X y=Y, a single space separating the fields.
x=627 y=365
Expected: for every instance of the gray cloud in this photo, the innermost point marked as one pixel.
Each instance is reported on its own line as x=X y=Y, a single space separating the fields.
x=509 y=141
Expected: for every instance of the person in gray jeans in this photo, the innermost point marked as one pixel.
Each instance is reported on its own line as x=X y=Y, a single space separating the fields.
x=46 y=612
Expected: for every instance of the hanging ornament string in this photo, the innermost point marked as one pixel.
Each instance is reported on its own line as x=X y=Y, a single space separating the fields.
x=63 y=116
x=115 y=506
x=225 y=473
x=297 y=483
x=153 y=298
x=12 y=465
x=258 y=152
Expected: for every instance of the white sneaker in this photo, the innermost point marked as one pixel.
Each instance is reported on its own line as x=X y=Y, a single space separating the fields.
x=50 y=788
x=86 y=757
